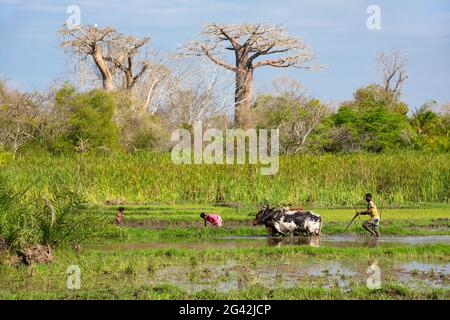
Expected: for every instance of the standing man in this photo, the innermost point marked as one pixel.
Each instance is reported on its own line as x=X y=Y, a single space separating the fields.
x=372 y=224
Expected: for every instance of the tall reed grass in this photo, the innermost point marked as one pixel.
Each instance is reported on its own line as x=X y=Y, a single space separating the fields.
x=326 y=180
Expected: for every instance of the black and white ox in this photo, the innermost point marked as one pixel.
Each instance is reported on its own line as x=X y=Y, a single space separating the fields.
x=285 y=221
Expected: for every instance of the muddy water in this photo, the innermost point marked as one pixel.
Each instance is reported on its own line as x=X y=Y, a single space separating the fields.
x=255 y=242
x=343 y=274
x=319 y=273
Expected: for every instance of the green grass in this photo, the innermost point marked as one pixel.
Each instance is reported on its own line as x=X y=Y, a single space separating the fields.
x=412 y=189
x=111 y=273
x=117 y=274
x=180 y=223
x=191 y=212
x=122 y=275
x=439 y=252
x=169 y=292
x=138 y=235
x=321 y=181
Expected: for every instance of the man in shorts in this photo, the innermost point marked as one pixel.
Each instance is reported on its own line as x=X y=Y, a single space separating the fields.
x=372 y=224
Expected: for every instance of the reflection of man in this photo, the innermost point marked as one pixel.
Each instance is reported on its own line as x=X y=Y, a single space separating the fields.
x=374 y=280
x=371 y=242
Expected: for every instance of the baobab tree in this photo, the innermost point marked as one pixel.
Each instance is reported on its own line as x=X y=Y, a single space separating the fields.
x=393 y=72
x=249 y=42
x=88 y=41
x=110 y=50
x=122 y=53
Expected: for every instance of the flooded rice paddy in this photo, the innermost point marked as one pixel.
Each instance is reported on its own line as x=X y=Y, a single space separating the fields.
x=173 y=257
x=342 y=273
x=343 y=240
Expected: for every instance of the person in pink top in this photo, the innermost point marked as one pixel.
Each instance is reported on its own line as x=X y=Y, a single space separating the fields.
x=213 y=219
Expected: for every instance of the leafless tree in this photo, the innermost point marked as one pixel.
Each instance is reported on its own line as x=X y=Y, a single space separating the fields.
x=153 y=87
x=197 y=91
x=122 y=54
x=291 y=111
x=393 y=72
x=298 y=129
x=89 y=41
x=289 y=88
x=296 y=119
x=445 y=108
x=19 y=117
x=248 y=42
x=110 y=51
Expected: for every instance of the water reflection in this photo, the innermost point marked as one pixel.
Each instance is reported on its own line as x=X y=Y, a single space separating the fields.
x=336 y=241
x=370 y=242
x=293 y=241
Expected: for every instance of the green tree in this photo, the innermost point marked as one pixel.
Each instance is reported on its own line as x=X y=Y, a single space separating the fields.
x=431 y=130
x=85 y=121
x=374 y=121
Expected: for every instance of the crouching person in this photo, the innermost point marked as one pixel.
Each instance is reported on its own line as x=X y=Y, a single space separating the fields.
x=371 y=225
x=213 y=219
x=120 y=216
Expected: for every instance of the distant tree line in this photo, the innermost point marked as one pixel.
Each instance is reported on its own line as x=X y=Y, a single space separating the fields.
x=129 y=99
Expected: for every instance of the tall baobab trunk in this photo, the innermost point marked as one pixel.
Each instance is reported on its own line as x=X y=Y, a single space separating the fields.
x=129 y=79
x=107 y=78
x=249 y=42
x=243 y=98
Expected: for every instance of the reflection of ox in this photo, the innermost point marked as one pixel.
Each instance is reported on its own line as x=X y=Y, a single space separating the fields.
x=293 y=241
x=284 y=221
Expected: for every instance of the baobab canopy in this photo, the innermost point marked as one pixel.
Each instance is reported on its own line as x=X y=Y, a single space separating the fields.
x=250 y=43
x=110 y=50
x=256 y=40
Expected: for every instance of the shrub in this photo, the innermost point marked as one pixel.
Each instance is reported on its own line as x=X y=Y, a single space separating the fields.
x=371 y=122
x=14 y=225
x=59 y=218
x=63 y=218
x=84 y=121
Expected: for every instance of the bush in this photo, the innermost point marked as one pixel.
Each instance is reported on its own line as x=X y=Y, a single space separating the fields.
x=144 y=132
x=84 y=121
x=59 y=218
x=14 y=229
x=63 y=218
x=431 y=130
x=371 y=122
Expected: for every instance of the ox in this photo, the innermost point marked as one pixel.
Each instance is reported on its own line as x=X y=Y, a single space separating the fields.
x=285 y=221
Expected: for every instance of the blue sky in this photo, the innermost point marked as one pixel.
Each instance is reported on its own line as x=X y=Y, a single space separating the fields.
x=30 y=57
